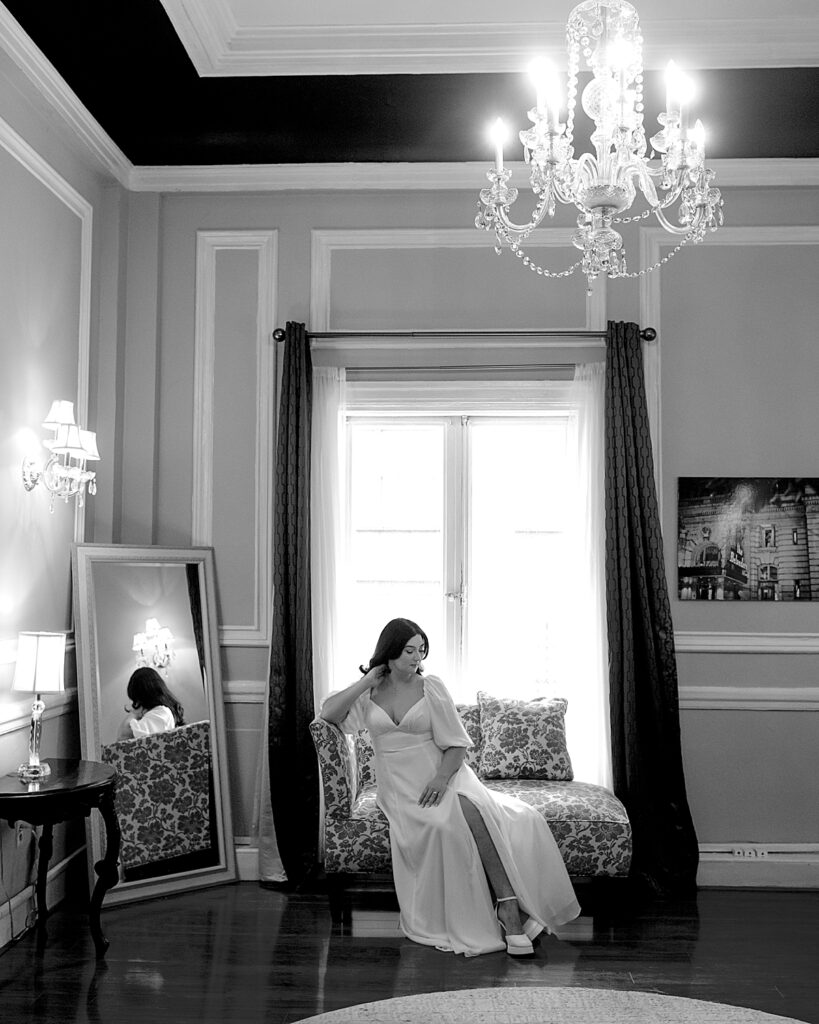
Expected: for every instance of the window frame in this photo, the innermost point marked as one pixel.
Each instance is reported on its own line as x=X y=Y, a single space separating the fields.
x=386 y=402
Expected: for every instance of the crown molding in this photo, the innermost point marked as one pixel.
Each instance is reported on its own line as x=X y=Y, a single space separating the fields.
x=62 y=99
x=410 y=177
x=219 y=46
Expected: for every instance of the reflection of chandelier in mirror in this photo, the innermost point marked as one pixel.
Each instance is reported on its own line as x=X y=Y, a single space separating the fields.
x=64 y=474
x=154 y=647
x=602 y=187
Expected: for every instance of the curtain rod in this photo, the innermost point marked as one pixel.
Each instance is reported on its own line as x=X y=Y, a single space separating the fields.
x=647 y=334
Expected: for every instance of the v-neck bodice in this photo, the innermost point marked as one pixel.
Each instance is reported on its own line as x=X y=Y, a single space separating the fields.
x=403 y=718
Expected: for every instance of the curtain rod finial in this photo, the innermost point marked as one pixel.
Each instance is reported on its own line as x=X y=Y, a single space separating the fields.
x=648 y=334
x=278 y=334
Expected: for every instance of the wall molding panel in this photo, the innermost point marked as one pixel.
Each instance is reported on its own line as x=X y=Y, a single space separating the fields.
x=749 y=698
x=691 y=642
x=15 y=716
x=325 y=244
x=692 y=698
x=265 y=245
x=17 y=147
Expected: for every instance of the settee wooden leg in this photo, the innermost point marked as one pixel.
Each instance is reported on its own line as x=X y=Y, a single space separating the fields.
x=340 y=913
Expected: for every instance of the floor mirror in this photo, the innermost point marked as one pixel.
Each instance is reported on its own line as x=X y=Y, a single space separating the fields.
x=153 y=610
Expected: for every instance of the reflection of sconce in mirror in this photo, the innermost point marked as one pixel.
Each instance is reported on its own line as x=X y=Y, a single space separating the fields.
x=153 y=647
x=64 y=474
x=40 y=667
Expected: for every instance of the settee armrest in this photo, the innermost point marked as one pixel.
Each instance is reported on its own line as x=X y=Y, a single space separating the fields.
x=339 y=768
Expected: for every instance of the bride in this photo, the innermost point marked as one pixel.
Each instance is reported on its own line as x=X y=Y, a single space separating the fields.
x=475 y=871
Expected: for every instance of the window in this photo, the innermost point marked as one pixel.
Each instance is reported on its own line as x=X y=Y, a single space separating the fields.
x=475 y=508
x=768 y=537
x=461 y=524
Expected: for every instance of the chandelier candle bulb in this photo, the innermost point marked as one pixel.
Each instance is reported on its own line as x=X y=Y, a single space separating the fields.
x=498 y=136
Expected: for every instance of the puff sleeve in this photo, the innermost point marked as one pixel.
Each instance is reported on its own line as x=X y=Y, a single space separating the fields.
x=447 y=728
x=356 y=718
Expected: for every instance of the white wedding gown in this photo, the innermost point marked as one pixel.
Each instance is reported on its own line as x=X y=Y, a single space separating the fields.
x=442 y=889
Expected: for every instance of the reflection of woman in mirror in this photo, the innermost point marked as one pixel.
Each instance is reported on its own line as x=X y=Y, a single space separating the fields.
x=154 y=708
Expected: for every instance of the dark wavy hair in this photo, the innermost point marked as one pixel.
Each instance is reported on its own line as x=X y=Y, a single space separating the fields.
x=391 y=642
x=147 y=689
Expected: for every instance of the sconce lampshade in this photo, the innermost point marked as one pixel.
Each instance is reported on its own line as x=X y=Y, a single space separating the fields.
x=40 y=663
x=66 y=441
x=61 y=412
x=88 y=440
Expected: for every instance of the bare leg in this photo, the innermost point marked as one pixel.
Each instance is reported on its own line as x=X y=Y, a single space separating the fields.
x=509 y=911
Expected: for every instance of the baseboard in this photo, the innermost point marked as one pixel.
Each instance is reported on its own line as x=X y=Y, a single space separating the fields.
x=759 y=865
x=247 y=863
x=17 y=913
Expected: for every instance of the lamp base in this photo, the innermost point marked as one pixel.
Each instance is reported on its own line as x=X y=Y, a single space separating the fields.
x=32 y=772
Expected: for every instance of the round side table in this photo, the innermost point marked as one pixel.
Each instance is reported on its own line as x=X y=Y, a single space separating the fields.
x=73 y=789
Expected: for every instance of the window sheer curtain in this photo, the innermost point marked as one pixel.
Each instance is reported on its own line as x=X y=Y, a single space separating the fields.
x=327 y=524
x=585 y=668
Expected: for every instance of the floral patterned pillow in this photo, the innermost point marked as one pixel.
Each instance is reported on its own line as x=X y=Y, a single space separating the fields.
x=471 y=717
x=524 y=739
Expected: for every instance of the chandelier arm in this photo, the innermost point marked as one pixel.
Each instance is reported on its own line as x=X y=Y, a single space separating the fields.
x=523 y=230
x=679 y=229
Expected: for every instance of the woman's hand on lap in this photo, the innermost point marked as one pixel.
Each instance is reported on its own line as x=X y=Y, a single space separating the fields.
x=433 y=792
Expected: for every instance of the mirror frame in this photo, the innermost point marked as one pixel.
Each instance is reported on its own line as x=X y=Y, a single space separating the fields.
x=84 y=558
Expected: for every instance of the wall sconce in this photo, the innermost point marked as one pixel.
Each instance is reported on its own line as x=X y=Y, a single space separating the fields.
x=153 y=647
x=40 y=669
x=64 y=474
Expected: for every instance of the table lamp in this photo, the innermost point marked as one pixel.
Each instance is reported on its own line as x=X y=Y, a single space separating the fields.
x=40 y=669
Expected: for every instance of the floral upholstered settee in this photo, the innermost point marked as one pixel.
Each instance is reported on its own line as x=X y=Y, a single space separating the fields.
x=519 y=749
x=163 y=792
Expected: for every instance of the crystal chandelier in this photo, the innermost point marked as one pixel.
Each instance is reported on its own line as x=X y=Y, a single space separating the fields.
x=606 y=33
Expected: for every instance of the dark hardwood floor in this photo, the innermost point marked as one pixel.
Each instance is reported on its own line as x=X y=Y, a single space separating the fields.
x=246 y=954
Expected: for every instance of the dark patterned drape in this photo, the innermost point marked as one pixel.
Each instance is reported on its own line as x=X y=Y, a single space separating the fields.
x=645 y=720
x=294 y=784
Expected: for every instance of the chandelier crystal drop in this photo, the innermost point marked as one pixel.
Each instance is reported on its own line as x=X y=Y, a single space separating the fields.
x=606 y=35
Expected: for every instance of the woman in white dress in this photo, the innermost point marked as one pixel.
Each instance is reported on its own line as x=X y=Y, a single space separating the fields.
x=455 y=845
x=154 y=708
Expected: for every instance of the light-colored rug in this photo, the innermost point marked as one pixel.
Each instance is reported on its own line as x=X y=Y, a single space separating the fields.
x=526 y=1005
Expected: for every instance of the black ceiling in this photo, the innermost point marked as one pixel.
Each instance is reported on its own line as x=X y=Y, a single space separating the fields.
x=127 y=65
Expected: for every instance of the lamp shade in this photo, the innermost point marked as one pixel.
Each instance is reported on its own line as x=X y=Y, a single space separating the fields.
x=88 y=440
x=40 y=663
x=60 y=412
x=67 y=441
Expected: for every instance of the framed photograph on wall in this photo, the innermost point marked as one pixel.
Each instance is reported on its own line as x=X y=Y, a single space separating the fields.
x=748 y=539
